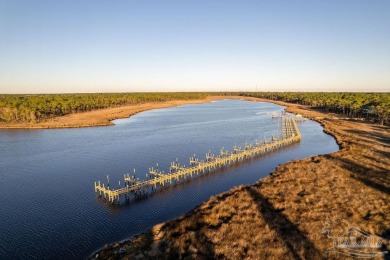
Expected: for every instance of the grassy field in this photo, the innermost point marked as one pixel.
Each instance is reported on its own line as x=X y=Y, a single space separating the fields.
x=283 y=215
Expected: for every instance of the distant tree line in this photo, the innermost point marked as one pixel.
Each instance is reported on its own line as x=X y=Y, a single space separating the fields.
x=35 y=108
x=373 y=106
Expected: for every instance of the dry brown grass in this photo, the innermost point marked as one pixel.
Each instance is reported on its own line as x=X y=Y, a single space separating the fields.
x=281 y=216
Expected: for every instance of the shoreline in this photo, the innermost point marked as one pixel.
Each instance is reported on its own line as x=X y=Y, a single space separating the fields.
x=343 y=165
x=103 y=117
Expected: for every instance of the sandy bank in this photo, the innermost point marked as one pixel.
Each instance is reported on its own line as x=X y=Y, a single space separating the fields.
x=102 y=117
x=283 y=215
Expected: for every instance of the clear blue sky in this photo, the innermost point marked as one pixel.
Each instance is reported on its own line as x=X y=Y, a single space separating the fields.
x=125 y=46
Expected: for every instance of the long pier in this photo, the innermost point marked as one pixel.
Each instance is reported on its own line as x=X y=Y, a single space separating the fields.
x=134 y=188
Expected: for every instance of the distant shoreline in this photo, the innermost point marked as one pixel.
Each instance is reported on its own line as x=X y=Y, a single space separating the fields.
x=104 y=117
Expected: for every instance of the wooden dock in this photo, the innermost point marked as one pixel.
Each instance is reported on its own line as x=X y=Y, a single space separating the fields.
x=133 y=188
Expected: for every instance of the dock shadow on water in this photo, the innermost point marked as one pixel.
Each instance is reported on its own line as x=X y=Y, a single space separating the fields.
x=58 y=216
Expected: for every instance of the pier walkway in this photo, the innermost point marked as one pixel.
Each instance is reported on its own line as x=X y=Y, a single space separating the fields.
x=134 y=188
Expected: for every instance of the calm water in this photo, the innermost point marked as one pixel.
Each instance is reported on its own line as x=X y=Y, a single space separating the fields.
x=48 y=206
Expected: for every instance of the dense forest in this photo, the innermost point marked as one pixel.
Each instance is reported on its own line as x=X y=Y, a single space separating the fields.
x=373 y=106
x=35 y=108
